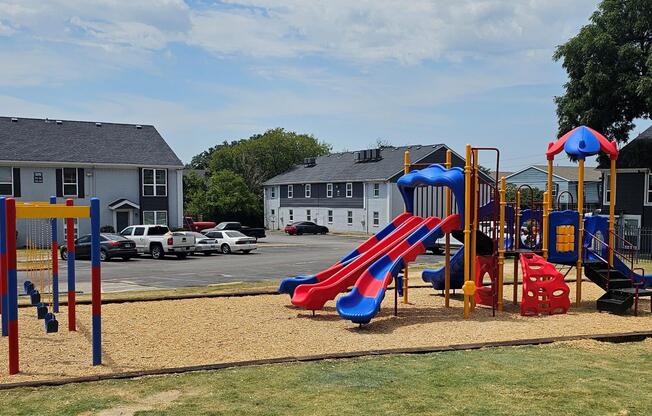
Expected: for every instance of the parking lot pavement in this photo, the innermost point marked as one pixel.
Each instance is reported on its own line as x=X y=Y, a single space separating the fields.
x=277 y=257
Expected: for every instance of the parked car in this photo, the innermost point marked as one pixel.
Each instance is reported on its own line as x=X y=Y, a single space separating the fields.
x=305 y=227
x=203 y=244
x=111 y=245
x=192 y=225
x=158 y=241
x=236 y=226
x=231 y=241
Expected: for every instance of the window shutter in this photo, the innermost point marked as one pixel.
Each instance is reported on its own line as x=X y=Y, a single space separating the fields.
x=81 y=180
x=16 y=182
x=59 y=176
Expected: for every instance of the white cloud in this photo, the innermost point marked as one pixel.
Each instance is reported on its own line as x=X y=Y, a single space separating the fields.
x=360 y=31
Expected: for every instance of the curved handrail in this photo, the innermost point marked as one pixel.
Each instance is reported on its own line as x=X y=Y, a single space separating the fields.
x=559 y=199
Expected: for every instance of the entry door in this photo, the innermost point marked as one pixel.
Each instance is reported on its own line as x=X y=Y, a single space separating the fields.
x=122 y=220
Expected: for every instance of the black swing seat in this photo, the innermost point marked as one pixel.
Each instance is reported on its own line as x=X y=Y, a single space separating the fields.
x=29 y=287
x=51 y=323
x=41 y=310
x=35 y=297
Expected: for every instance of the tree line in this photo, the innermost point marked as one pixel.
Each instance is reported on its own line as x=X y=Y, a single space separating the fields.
x=231 y=188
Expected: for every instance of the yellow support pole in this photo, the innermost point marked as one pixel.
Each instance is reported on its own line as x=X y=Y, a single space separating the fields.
x=550 y=184
x=475 y=222
x=406 y=170
x=580 y=234
x=544 y=231
x=467 y=228
x=449 y=206
x=612 y=211
x=501 y=244
x=517 y=242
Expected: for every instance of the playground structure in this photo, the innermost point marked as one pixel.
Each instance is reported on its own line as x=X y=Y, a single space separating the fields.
x=535 y=235
x=40 y=261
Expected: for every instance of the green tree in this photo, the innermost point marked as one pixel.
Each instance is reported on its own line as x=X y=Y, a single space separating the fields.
x=236 y=170
x=266 y=155
x=609 y=70
x=195 y=197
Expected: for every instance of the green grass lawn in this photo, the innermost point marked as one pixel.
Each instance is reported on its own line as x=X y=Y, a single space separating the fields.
x=571 y=379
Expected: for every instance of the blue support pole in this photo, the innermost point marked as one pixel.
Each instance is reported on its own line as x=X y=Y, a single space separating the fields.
x=55 y=260
x=4 y=299
x=96 y=283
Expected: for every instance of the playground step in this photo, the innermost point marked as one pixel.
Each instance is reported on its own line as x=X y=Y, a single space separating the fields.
x=632 y=291
x=620 y=283
x=615 y=302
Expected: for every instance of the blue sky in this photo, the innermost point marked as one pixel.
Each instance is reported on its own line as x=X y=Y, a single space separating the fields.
x=414 y=72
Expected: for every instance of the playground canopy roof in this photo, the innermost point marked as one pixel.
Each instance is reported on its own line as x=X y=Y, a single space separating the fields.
x=581 y=142
x=83 y=142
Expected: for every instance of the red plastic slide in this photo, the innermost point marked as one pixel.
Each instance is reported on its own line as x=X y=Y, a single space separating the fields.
x=314 y=296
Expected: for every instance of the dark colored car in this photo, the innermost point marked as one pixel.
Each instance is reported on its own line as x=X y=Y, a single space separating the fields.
x=111 y=245
x=236 y=226
x=305 y=227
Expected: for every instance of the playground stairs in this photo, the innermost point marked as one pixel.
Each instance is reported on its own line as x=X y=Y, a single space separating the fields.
x=620 y=291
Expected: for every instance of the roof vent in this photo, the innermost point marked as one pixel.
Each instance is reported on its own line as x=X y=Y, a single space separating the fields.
x=47 y=120
x=309 y=162
x=370 y=155
x=138 y=126
x=14 y=120
x=59 y=122
x=98 y=124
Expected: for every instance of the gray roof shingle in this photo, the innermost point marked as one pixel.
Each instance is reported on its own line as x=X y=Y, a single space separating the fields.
x=341 y=167
x=38 y=140
x=636 y=154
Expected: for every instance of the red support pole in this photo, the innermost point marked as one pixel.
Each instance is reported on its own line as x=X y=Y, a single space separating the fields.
x=70 y=245
x=12 y=285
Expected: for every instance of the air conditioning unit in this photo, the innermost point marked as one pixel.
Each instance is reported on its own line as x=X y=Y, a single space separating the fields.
x=357 y=157
x=377 y=154
x=309 y=161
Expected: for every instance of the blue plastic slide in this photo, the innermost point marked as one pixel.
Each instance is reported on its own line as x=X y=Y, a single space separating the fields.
x=437 y=276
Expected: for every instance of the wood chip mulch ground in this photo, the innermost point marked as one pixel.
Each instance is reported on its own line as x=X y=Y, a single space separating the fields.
x=152 y=335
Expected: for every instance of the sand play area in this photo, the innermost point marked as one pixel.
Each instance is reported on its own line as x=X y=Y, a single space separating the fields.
x=162 y=334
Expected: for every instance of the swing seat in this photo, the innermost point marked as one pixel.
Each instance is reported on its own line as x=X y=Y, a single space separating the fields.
x=35 y=297
x=41 y=310
x=29 y=287
x=51 y=323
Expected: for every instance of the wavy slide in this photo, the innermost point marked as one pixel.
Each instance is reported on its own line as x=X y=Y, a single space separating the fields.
x=314 y=296
x=289 y=284
x=363 y=302
x=437 y=276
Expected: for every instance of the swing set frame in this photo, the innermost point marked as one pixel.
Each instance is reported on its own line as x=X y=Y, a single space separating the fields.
x=10 y=212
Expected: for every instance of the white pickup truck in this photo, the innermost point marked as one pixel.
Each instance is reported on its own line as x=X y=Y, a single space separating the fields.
x=158 y=241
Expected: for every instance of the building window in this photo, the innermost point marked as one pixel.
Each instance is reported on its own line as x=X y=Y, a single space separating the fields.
x=291 y=215
x=308 y=215
x=648 y=194
x=349 y=190
x=273 y=213
x=75 y=226
x=272 y=192
x=329 y=190
x=330 y=216
x=376 y=190
x=376 y=219
x=290 y=191
x=6 y=181
x=607 y=188
x=38 y=177
x=155 y=217
x=308 y=190
x=70 y=187
x=155 y=182
x=349 y=217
